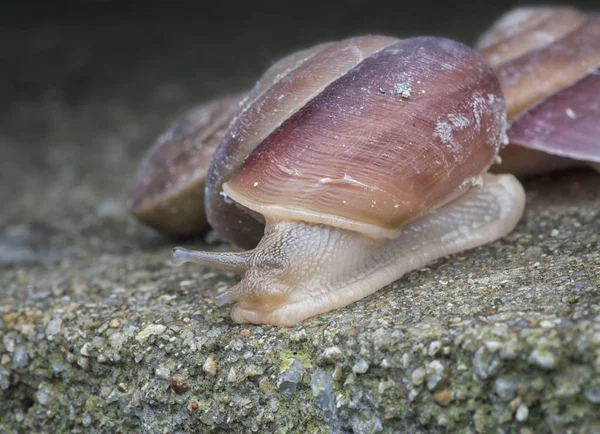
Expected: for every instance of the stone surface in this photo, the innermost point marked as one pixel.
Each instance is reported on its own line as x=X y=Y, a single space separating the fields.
x=99 y=334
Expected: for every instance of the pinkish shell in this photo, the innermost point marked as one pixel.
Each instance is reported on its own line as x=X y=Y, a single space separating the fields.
x=406 y=130
x=566 y=124
x=284 y=89
x=526 y=29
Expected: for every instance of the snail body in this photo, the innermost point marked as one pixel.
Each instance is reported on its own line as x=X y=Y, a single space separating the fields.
x=378 y=168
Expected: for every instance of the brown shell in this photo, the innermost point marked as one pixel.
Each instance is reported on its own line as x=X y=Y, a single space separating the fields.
x=547 y=59
x=525 y=29
x=167 y=192
x=402 y=129
x=566 y=124
x=537 y=51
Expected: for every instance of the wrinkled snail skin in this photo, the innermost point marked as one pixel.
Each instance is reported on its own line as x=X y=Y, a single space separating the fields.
x=299 y=269
x=548 y=62
x=367 y=172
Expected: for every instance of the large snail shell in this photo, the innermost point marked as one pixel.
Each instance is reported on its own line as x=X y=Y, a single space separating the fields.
x=364 y=134
x=547 y=61
x=282 y=90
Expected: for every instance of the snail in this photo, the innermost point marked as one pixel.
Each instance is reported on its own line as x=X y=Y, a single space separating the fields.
x=359 y=157
x=346 y=166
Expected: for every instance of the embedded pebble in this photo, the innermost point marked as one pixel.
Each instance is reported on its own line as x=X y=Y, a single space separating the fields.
x=522 y=413
x=418 y=376
x=290 y=377
x=163 y=372
x=543 y=358
x=53 y=326
x=265 y=386
x=44 y=394
x=299 y=336
x=152 y=329
x=9 y=343
x=113 y=396
x=253 y=371
x=481 y=362
x=434 y=348
x=20 y=357
x=505 y=388
x=443 y=398
x=492 y=346
x=413 y=394
x=321 y=385
x=85 y=350
x=360 y=367
x=437 y=374
x=592 y=393
x=116 y=340
x=331 y=355
x=86 y=419
x=210 y=366
x=232 y=375
x=179 y=385
x=4 y=379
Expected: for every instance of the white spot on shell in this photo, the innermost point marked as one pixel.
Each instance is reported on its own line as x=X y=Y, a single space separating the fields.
x=443 y=130
x=255 y=184
x=478 y=107
x=474 y=181
x=225 y=198
x=570 y=113
x=494 y=107
x=351 y=180
x=402 y=89
x=288 y=170
x=459 y=121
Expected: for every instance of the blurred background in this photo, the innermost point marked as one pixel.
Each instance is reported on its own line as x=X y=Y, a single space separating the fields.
x=85 y=87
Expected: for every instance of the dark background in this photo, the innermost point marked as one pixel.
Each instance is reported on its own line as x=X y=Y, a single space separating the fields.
x=82 y=48
x=85 y=87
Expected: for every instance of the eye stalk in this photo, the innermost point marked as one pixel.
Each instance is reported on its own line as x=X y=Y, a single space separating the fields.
x=237 y=263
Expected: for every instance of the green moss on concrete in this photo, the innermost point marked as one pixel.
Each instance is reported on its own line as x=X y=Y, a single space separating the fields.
x=99 y=334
